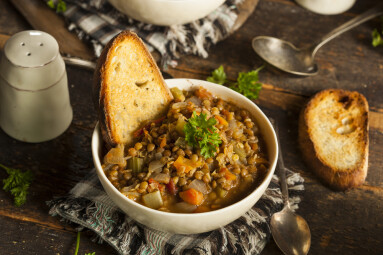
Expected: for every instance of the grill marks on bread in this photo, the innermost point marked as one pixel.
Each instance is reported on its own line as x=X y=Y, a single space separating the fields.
x=333 y=136
x=131 y=88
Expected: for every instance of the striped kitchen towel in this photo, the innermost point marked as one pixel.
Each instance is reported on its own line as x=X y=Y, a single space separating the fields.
x=89 y=206
x=96 y=21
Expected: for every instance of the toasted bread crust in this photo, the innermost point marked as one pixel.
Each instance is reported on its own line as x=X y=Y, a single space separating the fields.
x=103 y=88
x=352 y=141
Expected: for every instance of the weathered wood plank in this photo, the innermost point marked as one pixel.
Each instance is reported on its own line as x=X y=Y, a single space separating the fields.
x=21 y=237
x=11 y=20
x=341 y=222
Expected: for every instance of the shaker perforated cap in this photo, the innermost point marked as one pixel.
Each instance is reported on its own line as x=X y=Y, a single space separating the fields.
x=31 y=49
x=31 y=61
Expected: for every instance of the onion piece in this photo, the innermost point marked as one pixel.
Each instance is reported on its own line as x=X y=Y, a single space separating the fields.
x=183 y=207
x=107 y=167
x=158 y=155
x=232 y=124
x=195 y=100
x=181 y=142
x=127 y=188
x=155 y=166
x=200 y=186
x=133 y=195
x=115 y=155
x=179 y=105
x=161 y=178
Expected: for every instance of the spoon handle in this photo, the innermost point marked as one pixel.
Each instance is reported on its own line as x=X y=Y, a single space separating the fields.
x=282 y=171
x=365 y=16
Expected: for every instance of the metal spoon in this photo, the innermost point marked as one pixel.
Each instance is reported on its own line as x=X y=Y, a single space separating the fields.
x=285 y=56
x=290 y=231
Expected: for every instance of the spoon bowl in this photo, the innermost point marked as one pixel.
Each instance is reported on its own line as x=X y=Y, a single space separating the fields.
x=288 y=224
x=286 y=57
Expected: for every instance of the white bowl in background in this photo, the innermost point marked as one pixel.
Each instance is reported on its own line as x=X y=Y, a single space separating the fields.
x=326 y=7
x=183 y=223
x=166 y=12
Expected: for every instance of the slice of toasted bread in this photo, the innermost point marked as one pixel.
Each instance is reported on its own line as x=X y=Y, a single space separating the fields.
x=129 y=89
x=333 y=136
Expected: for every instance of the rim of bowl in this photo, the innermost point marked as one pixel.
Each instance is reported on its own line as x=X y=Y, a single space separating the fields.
x=271 y=168
x=182 y=0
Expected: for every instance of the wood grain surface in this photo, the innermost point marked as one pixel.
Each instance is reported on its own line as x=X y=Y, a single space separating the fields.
x=348 y=222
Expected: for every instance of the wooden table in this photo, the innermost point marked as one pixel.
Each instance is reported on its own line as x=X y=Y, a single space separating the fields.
x=341 y=222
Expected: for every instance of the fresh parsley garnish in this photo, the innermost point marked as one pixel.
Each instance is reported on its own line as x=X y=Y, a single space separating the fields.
x=247 y=83
x=17 y=183
x=78 y=246
x=201 y=132
x=377 y=36
x=59 y=6
x=218 y=76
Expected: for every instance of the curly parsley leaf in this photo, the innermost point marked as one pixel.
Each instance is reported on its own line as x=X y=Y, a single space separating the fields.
x=377 y=39
x=377 y=36
x=17 y=183
x=59 y=6
x=218 y=76
x=248 y=84
x=201 y=132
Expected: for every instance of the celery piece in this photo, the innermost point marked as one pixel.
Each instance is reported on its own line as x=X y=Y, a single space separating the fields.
x=221 y=192
x=177 y=93
x=180 y=126
x=153 y=200
x=240 y=151
x=136 y=164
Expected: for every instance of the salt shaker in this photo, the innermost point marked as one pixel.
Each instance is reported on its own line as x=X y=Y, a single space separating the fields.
x=34 y=97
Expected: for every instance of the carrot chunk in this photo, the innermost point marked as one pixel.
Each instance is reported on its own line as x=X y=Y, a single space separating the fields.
x=227 y=174
x=187 y=163
x=203 y=93
x=192 y=196
x=221 y=120
x=163 y=142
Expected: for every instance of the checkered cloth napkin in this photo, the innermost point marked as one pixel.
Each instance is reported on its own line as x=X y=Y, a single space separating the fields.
x=96 y=21
x=89 y=206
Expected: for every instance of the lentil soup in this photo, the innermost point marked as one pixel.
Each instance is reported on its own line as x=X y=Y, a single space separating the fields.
x=205 y=154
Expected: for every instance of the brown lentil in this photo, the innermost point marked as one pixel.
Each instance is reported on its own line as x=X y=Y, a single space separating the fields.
x=132 y=152
x=167 y=153
x=150 y=147
x=198 y=175
x=138 y=146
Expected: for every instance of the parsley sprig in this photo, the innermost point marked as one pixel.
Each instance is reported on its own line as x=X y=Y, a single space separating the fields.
x=17 y=183
x=247 y=83
x=377 y=36
x=59 y=5
x=218 y=76
x=78 y=246
x=201 y=132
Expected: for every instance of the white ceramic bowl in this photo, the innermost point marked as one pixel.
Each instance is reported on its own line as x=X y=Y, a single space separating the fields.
x=166 y=12
x=183 y=223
